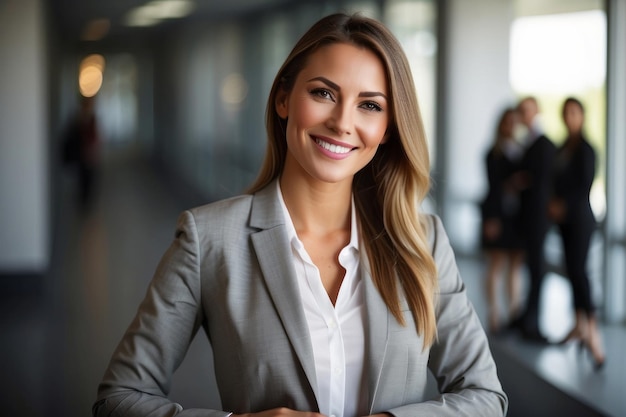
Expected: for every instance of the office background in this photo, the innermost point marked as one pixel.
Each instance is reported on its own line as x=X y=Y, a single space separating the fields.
x=187 y=95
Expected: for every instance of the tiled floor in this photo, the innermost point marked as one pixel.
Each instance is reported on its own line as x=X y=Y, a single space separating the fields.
x=56 y=340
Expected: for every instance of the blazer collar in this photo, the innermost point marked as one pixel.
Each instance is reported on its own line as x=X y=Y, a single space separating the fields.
x=273 y=251
x=266 y=211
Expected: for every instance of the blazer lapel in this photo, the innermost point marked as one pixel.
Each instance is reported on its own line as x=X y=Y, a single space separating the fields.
x=377 y=332
x=274 y=255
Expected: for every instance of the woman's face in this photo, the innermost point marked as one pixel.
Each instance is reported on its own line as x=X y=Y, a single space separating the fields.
x=509 y=122
x=337 y=113
x=573 y=117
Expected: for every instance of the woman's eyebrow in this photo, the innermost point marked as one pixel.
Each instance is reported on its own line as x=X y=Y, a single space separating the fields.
x=336 y=87
x=327 y=82
x=372 y=94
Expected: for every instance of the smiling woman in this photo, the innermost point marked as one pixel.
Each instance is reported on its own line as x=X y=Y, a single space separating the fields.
x=324 y=291
x=335 y=111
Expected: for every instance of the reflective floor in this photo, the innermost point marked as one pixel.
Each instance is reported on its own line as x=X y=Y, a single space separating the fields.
x=57 y=337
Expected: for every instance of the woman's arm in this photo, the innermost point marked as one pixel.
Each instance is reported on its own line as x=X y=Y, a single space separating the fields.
x=137 y=380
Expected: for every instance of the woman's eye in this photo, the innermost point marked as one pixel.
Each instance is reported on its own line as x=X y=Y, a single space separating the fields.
x=322 y=93
x=372 y=106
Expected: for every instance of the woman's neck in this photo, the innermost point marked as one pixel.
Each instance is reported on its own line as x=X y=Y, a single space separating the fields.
x=315 y=206
x=574 y=137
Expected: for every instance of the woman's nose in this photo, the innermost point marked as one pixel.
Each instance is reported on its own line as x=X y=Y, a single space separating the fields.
x=340 y=120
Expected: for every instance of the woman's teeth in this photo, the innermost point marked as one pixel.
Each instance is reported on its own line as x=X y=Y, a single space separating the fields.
x=332 y=148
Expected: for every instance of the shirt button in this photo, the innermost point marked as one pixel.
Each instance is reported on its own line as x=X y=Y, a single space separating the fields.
x=331 y=324
x=338 y=371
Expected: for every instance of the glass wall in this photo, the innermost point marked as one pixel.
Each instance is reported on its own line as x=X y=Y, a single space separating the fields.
x=415 y=25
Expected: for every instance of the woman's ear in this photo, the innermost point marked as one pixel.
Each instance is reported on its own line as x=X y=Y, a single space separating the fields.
x=282 y=103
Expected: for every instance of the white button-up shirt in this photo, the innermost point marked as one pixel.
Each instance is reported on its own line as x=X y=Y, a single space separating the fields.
x=337 y=332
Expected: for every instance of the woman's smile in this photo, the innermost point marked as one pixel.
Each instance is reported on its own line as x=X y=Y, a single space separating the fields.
x=333 y=149
x=336 y=112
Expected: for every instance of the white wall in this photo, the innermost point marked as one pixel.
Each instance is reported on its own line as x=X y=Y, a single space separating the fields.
x=477 y=46
x=24 y=199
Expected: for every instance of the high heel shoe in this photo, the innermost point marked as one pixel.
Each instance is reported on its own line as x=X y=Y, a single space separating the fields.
x=597 y=359
x=598 y=365
x=592 y=344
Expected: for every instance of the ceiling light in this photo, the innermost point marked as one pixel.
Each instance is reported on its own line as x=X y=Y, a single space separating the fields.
x=93 y=60
x=90 y=81
x=171 y=9
x=153 y=12
x=90 y=75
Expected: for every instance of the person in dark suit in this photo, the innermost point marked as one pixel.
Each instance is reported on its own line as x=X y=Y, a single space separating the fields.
x=536 y=188
x=570 y=209
x=501 y=236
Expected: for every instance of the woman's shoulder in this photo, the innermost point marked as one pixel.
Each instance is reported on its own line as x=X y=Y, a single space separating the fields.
x=588 y=148
x=228 y=206
x=435 y=230
x=216 y=217
x=442 y=253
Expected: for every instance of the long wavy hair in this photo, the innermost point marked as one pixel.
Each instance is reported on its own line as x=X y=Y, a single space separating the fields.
x=389 y=190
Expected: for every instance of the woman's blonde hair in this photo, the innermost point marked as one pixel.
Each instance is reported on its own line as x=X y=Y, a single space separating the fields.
x=389 y=190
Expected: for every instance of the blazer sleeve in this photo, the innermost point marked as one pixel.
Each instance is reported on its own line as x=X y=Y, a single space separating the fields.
x=460 y=359
x=137 y=380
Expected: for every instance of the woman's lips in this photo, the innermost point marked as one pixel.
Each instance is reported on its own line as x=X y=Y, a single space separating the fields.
x=333 y=149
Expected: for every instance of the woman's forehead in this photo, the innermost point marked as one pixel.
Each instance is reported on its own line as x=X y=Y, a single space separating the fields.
x=348 y=63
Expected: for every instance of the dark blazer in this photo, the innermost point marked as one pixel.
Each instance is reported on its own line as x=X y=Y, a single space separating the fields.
x=574 y=172
x=537 y=165
x=501 y=202
x=499 y=170
x=230 y=271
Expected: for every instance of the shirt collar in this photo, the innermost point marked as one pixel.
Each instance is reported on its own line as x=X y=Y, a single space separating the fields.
x=291 y=230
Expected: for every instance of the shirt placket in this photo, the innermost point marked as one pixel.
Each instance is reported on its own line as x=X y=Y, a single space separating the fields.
x=337 y=367
x=336 y=355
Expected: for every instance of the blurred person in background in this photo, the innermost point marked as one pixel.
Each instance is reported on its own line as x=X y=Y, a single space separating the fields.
x=324 y=290
x=536 y=188
x=570 y=209
x=81 y=149
x=501 y=238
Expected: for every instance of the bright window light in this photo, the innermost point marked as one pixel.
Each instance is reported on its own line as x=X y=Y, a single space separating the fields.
x=560 y=53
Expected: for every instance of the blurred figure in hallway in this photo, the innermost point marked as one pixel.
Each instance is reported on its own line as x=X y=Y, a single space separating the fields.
x=536 y=188
x=500 y=210
x=81 y=149
x=570 y=209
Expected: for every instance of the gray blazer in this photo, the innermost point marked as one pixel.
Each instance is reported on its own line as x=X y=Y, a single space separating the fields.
x=230 y=271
